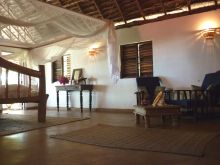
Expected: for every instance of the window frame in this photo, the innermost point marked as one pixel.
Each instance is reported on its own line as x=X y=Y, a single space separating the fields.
x=136 y=59
x=58 y=68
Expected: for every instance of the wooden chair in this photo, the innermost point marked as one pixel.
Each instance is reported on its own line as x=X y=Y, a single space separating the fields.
x=145 y=95
x=200 y=100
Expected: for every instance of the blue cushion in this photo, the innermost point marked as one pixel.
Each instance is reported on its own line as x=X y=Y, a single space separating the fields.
x=211 y=78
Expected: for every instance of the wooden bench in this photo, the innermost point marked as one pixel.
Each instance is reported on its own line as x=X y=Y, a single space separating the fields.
x=149 y=111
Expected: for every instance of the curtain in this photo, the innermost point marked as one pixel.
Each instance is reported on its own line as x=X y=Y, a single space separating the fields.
x=48 y=32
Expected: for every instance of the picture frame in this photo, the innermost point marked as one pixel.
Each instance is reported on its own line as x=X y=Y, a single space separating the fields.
x=77 y=76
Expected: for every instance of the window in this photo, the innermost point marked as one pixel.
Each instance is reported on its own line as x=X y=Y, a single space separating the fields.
x=61 y=67
x=12 y=76
x=136 y=60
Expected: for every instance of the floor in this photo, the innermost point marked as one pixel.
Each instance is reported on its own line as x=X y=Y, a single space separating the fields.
x=36 y=147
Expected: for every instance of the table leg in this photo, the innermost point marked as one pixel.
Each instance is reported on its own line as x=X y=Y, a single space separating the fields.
x=58 y=101
x=67 y=100
x=90 y=100
x=137 y=118
x=81 y=101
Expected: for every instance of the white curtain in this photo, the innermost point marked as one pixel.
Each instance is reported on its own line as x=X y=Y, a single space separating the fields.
x=49 y=31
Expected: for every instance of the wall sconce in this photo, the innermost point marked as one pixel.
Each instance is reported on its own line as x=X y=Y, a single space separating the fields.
x=92 y=52
x=210 y=33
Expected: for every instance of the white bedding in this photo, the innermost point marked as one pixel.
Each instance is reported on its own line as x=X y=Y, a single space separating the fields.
x=12 y=91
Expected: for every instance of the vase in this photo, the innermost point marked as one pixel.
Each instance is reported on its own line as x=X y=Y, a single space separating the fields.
x=62 y=83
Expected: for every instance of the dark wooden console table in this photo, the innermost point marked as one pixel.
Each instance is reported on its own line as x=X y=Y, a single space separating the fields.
x=72 y=88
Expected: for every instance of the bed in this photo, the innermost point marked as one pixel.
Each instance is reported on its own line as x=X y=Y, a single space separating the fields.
x=19 y=93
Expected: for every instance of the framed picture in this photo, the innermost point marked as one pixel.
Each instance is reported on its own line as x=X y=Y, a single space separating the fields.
x=77 y=75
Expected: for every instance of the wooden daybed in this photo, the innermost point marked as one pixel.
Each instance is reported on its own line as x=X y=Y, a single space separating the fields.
x=18 y=93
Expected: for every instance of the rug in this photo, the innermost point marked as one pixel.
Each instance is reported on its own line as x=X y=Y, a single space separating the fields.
x=157 y=140
x=11 y=124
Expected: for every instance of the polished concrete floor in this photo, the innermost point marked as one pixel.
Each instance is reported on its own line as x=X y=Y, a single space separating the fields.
x=36 y=147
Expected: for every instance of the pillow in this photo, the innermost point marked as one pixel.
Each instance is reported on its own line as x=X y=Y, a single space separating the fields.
x=210 y=87
x=158 y=89
x=157 y=98
x=197 y=94
x=161 y=102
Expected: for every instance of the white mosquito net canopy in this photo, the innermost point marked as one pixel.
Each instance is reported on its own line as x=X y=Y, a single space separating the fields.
x=46 y=32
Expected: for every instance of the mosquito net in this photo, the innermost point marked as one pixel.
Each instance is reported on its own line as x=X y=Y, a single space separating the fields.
x=47 y=32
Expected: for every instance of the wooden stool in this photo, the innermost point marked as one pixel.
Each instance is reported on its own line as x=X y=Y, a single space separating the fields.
x=161 y=111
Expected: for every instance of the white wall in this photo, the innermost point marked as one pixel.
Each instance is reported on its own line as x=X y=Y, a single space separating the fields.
x=180 y=58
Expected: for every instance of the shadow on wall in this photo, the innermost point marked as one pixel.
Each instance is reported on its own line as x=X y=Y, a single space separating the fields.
x=101 y=90
x=92 y=80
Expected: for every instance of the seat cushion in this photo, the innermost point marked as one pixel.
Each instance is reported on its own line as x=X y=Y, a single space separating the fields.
x=187 y=102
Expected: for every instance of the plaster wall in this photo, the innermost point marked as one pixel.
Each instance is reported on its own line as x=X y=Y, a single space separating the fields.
x=181 y=57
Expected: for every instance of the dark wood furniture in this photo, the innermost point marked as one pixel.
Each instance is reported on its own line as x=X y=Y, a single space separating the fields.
x=40 y=98
x=72 y=88
x=149 y=85
x=199 y=101
x=161 y=111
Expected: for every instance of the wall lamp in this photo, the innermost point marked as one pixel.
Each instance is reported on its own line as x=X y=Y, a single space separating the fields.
x=93 y=52
x=210 y=33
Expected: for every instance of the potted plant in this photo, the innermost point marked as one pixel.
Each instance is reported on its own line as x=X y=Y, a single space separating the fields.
x=63 y=80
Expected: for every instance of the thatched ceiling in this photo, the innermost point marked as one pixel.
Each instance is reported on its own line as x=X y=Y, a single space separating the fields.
x=126 y=13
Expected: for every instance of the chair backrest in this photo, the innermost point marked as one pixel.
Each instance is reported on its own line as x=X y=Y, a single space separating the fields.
x=211 y=78
x=150 y=83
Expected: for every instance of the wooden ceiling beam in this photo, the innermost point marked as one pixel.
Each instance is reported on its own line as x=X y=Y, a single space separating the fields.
x=189 y=5
x=169 y=16
x=94 y=13
x=163 y=6
x=97 y=7
x=140 y=9
x=72 y=3
x=216 y=3
x=61 y=2
x=128 y=9
x=120 y=11
x=78 y=6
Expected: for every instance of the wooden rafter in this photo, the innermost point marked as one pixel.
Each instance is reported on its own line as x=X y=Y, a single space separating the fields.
x=17 y=29
x=72 y=3
x=78 y=6
x=97 y=7
x=116 y=9
x=164 y=9
x=189 y=5
x=140 y=9
x=216 y=3
x=119 y=9
x=60 y=2
x=169 y=16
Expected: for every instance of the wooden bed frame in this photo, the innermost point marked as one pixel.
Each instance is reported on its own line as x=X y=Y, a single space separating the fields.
x=40 y=98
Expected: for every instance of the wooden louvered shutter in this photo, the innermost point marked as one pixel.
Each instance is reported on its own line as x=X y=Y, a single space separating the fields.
x=61 y=67
x=67 y=66
x=57 y=69
x=129 y=65
x=146 y=59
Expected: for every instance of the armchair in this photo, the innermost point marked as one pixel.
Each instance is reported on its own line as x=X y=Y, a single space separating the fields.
x=198 y=98
x=149 y=104
x=146 y=89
